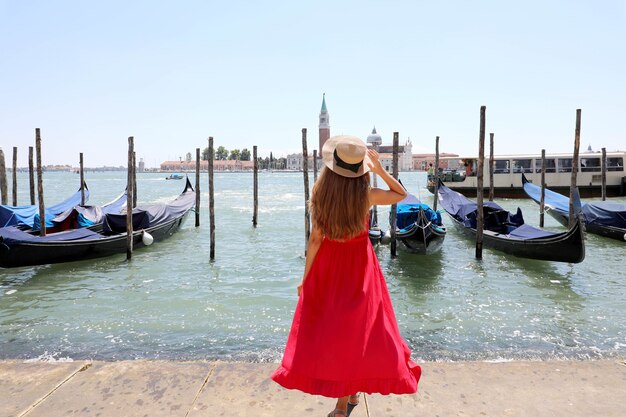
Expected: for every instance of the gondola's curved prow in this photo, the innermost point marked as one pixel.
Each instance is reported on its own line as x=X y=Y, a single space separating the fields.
x=555 y=204
x=188 y=185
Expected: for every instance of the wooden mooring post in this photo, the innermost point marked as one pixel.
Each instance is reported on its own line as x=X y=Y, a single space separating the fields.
x=82 y=179
x=42 y=208
x=542 y=203
x=374 y=210
x=436 y=174
x=197 y=187
x=4 y=193
x=314 y=165
x=130 y=187
x=305 y=170
x=491 y=167
x=394 y=170
x=31 y=175
x=572 y=217
x=603 y=174
x=211 y=201
x=134 y=177
x=479 y=186
x=255 y=193
x=14 y=189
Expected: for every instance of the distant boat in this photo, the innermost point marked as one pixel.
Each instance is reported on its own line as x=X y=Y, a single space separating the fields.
x=602 y=218
x=508 y=233
x=418 y=227
x=151 y=223
x=175 y=177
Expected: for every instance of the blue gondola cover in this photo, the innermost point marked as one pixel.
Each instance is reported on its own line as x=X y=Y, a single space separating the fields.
x=29 y=215
x=603 y=213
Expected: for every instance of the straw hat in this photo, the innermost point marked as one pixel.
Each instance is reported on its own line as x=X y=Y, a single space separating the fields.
x=346 y=155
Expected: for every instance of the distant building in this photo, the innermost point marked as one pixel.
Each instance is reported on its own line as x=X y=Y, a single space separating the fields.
x=374 y=139
x=218 y=165
x=324 y=126
x=294 y=162
x=142 y=165
x=51 y=168
x=405 y=155
x=421 y=161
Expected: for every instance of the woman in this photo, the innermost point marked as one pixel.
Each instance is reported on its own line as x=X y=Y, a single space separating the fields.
x=344 y=337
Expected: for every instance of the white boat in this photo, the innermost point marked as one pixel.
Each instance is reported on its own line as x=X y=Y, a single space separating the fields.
x=461 y=176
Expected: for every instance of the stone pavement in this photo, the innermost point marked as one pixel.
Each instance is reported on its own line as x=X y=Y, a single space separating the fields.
x=194 y=389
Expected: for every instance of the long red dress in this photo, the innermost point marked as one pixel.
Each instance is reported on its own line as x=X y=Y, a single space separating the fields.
x=344 y=337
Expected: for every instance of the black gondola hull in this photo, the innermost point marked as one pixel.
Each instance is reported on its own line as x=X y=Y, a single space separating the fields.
x=30 y=254
x=606 y=231
x=18 y=248
x=423 y=240
x=611 y=232
x=567 y=247
x=419 y=229
x=508 y=233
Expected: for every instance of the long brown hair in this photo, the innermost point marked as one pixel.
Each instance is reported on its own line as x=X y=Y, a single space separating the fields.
x=339 y=205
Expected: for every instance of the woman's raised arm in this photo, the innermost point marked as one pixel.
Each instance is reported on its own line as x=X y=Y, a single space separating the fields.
x=377 y=196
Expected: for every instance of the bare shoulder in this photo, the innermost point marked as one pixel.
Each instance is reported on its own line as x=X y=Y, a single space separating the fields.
x=316 y=231
x=375 y=195
x=378 y=196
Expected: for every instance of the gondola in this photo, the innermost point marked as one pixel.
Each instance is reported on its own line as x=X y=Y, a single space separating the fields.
x=602 y=218
x=508 y=233
x=151 y=223
x=419 y=228
x=24 y=216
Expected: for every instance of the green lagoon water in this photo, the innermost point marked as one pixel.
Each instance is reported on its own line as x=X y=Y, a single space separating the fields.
x=170 y=302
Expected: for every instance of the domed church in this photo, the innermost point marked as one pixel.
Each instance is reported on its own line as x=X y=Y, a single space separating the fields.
x=405 y=152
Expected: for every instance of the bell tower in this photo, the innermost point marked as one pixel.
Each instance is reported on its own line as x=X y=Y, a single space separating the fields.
x=324 y=126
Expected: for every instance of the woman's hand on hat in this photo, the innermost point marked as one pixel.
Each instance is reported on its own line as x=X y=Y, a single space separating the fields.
x=374 y=164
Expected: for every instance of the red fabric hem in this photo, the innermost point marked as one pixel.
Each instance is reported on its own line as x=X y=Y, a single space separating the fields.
x=336 y=389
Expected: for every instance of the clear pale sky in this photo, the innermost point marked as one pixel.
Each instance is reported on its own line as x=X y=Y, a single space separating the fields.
x=90 y=74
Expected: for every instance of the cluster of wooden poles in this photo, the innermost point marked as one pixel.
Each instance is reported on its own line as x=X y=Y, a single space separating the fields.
x=479 y=177
x=132 y=181
x=480 y=189
x=131 y=189
x=31 y=175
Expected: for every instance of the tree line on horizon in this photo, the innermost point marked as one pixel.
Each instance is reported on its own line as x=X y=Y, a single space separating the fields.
x=222 y=154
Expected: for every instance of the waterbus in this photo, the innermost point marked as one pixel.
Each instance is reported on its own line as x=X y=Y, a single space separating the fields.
x=508 y=169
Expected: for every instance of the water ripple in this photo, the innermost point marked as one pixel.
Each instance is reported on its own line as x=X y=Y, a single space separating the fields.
x=171 y=301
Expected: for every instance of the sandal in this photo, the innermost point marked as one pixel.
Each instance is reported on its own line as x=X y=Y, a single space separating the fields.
x=337 y=412
x=352 y=405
